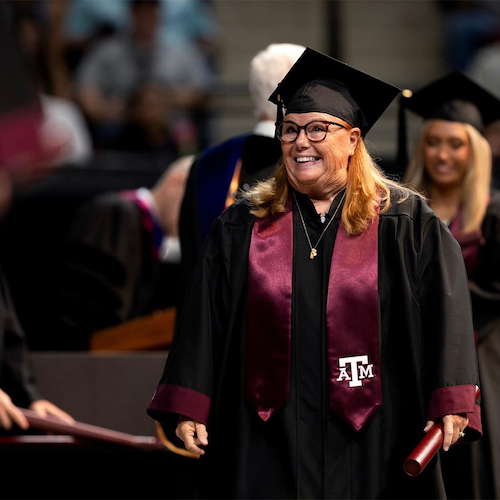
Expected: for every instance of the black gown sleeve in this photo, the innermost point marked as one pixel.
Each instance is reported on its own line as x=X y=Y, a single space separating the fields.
x=449 y=349
x=187 y=384
x=16 y=377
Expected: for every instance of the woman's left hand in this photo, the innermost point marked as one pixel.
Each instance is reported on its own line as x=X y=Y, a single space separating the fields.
x=453 y=426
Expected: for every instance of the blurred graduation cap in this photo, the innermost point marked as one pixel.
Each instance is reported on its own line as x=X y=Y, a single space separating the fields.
x=455 y=98
x=320 y=83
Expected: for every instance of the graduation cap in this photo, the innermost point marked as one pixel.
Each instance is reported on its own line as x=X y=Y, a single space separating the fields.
x=455 y=98
x=320 y=83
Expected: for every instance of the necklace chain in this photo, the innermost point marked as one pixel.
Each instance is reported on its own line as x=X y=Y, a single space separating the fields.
x=314 y=251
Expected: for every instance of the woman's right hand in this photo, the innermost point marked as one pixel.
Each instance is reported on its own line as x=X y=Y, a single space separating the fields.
x=193 y=434
x=9 y=413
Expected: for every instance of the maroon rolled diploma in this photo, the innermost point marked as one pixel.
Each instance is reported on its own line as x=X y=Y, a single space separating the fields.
x=425 y=450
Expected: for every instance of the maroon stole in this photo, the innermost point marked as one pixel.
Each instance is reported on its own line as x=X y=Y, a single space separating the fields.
x=352 y=313
x=469 y=243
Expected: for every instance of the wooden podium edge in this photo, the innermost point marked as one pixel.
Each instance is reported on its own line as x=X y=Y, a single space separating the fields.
x=152 y=332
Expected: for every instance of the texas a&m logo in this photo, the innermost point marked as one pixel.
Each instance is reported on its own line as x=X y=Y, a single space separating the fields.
x=354 y=369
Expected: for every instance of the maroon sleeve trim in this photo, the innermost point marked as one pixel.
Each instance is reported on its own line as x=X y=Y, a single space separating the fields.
x=454 y=400
x=180 y=400
x=474 y=429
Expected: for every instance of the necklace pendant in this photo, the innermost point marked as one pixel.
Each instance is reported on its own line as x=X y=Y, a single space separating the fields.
x=313 y=253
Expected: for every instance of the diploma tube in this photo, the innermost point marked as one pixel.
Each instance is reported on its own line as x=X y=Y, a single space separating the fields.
x=427 y=448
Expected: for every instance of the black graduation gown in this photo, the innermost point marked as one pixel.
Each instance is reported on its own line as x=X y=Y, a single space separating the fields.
x=482 y=480
x=305 y=450
x=111 y=273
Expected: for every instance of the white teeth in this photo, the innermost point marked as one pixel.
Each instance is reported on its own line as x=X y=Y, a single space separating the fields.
x=303 y=159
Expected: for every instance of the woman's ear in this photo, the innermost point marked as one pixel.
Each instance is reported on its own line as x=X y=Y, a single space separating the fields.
x=354 y=135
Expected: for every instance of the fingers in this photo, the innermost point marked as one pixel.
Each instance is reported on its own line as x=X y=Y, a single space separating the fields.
x=450 y=433
x=44 y=408
x=202 y=434
x=453 y=426
x=428 y=425
x=193 y=434
x=57 y=412
x=10 y=414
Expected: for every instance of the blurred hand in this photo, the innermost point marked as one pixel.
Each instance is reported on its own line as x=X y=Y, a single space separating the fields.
x=10 y=413
x=45 y=408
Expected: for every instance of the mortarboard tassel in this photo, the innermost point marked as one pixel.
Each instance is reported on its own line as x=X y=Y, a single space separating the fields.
x=279 y=114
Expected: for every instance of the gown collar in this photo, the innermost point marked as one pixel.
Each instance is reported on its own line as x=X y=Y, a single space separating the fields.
x=309 y=211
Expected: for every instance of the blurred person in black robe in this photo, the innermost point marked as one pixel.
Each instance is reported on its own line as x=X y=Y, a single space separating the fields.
x=222 y=170
x=452 y=165
x=328 y=322
x=17 y=384
x=24 y=155
x=122 y=258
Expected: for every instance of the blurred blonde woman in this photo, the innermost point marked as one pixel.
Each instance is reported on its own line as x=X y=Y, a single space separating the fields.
x=463 y=188
x=451 y=165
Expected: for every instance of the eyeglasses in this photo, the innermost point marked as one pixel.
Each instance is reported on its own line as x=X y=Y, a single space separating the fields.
x=315 y=131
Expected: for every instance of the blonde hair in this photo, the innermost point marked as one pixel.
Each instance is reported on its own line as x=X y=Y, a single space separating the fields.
x=366 y=185
x=476 y=183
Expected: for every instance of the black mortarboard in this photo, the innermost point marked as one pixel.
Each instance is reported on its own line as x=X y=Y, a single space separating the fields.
x=320 y=83
x=455 y=98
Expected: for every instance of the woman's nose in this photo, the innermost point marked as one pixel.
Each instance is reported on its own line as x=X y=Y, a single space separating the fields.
x=443 y=153
x=302 y=139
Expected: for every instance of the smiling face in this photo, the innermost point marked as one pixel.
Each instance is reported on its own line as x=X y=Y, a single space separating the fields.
x=446 y=152
x=319 y=169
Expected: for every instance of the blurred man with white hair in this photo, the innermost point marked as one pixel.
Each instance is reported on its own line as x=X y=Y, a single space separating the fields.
x=221 y=171
x=121 y=258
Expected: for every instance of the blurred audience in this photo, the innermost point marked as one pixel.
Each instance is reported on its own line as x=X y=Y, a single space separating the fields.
x=62 y=117
x=122 y=258
x=116 y=67
x=485 y=65
x=485 y=70
x=192 y=22
x=87 y=21
x=468 y=26
x=183 y=22
x=148 y=124
x=220 y=171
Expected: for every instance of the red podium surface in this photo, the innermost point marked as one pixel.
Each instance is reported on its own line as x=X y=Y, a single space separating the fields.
x=85 y=432
x=58 y=460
